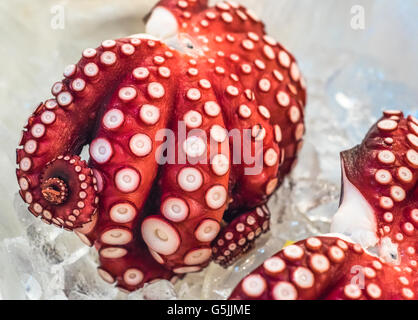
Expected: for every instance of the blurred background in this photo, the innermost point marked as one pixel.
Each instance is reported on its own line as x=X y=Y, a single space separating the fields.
x=359 y=57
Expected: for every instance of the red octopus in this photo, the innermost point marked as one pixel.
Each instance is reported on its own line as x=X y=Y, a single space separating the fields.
x=372 y=253
x=151 y=218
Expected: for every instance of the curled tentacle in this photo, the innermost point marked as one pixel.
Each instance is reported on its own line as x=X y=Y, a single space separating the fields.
x=61 y=126
x=239 y=235
x=57 y=185
x=69 y=185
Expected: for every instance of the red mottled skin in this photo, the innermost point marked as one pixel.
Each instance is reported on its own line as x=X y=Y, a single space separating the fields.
x=330 y=267
x=150 y=219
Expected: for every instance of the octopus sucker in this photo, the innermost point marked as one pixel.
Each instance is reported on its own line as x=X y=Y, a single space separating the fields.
x=371 y=252
x=191 y=128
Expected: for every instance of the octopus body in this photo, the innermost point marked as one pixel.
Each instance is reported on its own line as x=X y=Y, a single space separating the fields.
x=189 y=132
x=372 y=252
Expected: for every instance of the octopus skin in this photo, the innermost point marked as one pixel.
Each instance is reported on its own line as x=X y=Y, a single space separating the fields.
x=372 y=251
x=178 y=91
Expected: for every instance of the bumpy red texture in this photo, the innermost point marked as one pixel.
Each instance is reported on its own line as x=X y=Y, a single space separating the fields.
x=384 y=168
x=147 y=218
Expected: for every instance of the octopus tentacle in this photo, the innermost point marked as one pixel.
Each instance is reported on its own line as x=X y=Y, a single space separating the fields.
x=124 y=152
x=372 y=252
x=254 y=146
x=278 y=96
x=125 y=156
x=266 y=75
x=197 y=16
x=285 y=107
x=52 y=180
x=325 y=268
x=177 y=8
x=194 y=188
x=380 y=170
x=81 y=93
x=239 y=235
x=168 y=19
